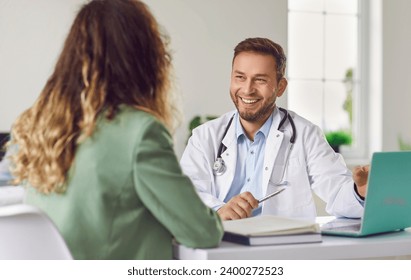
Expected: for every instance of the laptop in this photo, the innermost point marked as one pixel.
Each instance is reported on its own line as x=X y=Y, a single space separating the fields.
x=388 y=203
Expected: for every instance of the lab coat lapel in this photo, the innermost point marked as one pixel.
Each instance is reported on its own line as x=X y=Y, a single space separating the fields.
x=272 y=148
x=230 y=159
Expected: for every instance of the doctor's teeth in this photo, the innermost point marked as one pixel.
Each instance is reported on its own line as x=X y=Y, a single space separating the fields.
x=249 y=101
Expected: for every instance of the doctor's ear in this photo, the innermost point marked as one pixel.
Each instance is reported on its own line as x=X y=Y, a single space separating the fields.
x=282 y=85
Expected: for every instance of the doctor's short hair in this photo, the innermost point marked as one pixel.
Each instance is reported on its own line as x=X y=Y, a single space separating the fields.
x=264 y=46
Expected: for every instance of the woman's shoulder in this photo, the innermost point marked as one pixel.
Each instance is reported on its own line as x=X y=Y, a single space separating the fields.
x=129 y=127
x=130 y=118
x=134 y=114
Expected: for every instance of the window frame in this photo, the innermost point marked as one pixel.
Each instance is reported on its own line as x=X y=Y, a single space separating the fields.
x=358 y=153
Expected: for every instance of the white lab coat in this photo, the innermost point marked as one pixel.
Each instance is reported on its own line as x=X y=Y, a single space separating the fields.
x=313 y=166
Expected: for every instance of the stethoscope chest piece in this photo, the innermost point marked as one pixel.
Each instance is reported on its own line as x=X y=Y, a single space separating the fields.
x=219 y=167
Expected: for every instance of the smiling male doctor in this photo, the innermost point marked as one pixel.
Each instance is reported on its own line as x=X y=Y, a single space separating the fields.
x=240 y=157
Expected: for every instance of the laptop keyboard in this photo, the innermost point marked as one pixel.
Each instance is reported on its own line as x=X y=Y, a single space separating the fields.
x=351 y=227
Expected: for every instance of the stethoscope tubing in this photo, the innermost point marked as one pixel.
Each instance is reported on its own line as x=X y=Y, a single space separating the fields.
x=219 y=165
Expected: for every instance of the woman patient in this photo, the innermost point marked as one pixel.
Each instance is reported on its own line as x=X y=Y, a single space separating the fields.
x=95 y=151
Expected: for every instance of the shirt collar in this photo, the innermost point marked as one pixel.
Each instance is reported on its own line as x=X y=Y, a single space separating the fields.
x=265 y=129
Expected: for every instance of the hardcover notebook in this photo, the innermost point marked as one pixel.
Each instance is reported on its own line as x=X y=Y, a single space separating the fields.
x=388 y=202
x=270 y=230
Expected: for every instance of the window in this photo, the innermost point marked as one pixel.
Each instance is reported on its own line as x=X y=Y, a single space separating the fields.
x=325 y=75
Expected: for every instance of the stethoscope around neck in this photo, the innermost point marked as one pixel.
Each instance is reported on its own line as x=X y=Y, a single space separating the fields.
x=219 y=166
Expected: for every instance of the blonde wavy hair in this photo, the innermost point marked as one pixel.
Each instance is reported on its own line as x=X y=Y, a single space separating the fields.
x=114 y=54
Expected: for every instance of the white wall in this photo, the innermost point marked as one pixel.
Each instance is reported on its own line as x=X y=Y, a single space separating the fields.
x=203 y=35
x=396 y=72
x=31 y=37
x=374 y=69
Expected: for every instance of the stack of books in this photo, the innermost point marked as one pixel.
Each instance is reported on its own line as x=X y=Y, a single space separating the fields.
x=271 y=230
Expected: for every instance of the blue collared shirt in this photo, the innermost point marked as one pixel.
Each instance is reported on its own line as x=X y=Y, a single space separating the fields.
x=250 y=159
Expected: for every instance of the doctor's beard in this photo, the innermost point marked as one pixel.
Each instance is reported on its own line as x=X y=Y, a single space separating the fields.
x=255 y=116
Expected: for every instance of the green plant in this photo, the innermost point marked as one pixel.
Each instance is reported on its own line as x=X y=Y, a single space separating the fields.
x=349 y=83
x=338 y=138
x=198 y=120
x=403 y=145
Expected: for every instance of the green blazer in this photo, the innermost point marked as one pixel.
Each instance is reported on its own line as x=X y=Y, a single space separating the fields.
x=126 y=195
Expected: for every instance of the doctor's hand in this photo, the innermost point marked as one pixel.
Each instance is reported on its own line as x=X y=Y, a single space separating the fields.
x=239 y=207
x=360 y=176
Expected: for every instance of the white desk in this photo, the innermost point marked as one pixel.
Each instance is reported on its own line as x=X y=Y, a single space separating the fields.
x=395 y=244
